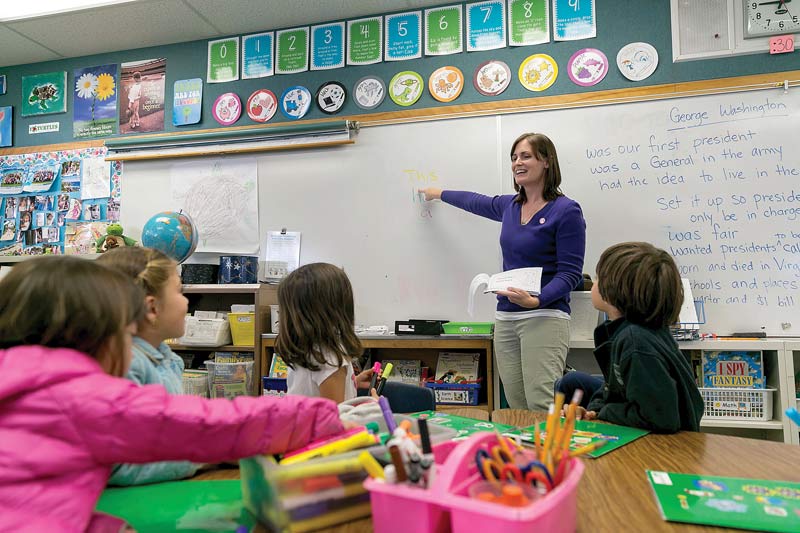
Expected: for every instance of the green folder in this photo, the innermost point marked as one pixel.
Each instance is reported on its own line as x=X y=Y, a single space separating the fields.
x=588 y=432
x=185 y=506
x=758 y=504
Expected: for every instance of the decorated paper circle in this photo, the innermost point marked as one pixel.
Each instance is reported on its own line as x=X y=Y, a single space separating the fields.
x=295 y=102
x=587 y=67
x=331 y=97
x=227 y=109
x=637 y=61
x=538 y=72
x=369 y=92
x=262 y=105
x=492 y=77
x=446 y=83
x=406 y=88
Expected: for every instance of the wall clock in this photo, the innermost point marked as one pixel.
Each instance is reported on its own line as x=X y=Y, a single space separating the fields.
x=771 y=17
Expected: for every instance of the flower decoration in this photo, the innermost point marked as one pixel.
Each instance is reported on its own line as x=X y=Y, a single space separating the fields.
x=105 y=86
x=86 y=85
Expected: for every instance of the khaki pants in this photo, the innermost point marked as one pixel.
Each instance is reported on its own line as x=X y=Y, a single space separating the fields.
x=531 y=355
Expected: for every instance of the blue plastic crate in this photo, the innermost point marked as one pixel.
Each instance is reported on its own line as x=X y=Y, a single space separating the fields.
x=274 y=386
x=455 y=393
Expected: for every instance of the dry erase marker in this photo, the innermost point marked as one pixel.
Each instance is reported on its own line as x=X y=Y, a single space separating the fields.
x=386 y=371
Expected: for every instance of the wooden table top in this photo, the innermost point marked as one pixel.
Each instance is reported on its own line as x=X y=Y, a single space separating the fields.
x=614 y=493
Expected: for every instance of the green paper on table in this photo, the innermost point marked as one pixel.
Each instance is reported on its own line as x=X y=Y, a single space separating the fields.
x=741 y=503
x=463 y=426
x=186 y=506
x=588 y=432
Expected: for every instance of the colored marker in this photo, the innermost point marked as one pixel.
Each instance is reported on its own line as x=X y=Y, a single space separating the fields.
x=384 y=377
x=353 y=442
x=391 y=425
x=376 y=372
x=323 y=442
x=397 y=461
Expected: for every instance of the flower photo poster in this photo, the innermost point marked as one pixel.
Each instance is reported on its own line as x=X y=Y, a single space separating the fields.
x=95 y=102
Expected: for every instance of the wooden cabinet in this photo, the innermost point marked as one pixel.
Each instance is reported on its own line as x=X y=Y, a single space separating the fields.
x=220 y=298
x=423 y=347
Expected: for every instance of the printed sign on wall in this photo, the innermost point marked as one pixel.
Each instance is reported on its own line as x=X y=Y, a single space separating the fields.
x=327 y=46
x=443 y=31
x=223 y=60
x=403 y=36
x=292 y=52
x=257 y=60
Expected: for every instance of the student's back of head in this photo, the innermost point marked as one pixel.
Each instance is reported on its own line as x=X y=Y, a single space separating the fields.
x=68 y=302
x=147 y=267
x=317 y=316
x=642 y=282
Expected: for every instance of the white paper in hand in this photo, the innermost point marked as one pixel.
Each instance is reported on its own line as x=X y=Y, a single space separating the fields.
x=528 y=279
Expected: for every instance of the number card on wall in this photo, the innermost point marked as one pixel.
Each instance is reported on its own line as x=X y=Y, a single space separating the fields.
x=257 y=58
x=364 y=41
x=486 y=26
x=292 y=53
x=223 y=60
x=443 y=31
x=574 y=19
x=403 y=36
x=528 y=22
x=327 y=46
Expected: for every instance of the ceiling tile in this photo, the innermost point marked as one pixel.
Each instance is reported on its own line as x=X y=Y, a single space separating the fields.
x=117 y=27
x=18 y=50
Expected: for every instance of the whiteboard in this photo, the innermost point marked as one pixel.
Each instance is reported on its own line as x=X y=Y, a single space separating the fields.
x=714 y=180
x=358 y=208
x=356 y=205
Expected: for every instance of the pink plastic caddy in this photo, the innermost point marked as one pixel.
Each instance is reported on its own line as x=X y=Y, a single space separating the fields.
x=446 y=506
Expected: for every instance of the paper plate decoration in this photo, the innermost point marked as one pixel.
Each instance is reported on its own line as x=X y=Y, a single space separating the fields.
x=369 y=92
x=491 y=78
x=227 y=109
x=538 y=72
x=295 y=102
x=262 y=105
x=331 y=97
x=406 y=88
x=587 y=67
x=446 y=83
x=637 y=61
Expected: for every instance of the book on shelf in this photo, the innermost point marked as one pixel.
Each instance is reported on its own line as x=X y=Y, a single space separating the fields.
x=741 y=369
x=457 y=367
x=278 y=368
x=405 y=370
x=528 y=279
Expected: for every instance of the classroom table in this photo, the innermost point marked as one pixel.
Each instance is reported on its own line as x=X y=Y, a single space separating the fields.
x=614 y=494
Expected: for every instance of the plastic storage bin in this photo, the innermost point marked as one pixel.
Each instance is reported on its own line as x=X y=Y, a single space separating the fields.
x=243 y=328
x=737 y=404
x=468 y=328
x=270 y=491
x=274 y=386
x=455 y=393
x=206 y=332
x=446 y=506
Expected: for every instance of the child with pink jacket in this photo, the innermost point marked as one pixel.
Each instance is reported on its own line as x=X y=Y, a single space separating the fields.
x=66 y=415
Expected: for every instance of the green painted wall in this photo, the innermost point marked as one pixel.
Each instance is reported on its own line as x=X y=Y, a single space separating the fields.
x=618 y=22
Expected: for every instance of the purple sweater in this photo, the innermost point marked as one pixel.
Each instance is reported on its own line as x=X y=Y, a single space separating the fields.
x=554 y=239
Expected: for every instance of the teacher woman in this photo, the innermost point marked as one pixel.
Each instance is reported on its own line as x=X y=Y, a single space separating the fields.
x=540 y=228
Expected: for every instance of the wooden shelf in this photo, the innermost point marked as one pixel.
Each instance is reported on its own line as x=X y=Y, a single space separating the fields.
x=225 y=348
x=446 y=408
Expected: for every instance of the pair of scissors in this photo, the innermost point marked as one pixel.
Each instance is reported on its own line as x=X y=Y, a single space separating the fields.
x=500 y=466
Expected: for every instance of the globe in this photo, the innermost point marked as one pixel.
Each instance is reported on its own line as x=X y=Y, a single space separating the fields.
x=172 y=233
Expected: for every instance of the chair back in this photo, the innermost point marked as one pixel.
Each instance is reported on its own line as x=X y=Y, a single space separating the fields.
x=407 y=398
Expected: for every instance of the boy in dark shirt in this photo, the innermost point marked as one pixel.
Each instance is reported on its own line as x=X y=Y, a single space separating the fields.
x=648 y=381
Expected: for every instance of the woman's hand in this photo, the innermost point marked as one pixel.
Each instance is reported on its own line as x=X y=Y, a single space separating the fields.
x=520 y=297
x=431 y=193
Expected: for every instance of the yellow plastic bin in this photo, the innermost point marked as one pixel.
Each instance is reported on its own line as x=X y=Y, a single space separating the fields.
x=243 y=328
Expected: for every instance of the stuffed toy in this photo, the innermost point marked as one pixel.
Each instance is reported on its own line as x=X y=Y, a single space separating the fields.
x=113 y=239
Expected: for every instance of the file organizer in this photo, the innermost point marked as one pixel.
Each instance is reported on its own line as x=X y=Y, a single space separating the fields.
x=446 y=506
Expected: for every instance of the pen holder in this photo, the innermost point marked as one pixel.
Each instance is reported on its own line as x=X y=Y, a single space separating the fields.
x=446 y=506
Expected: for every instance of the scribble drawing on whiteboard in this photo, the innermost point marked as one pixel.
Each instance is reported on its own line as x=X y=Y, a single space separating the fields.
x=221 y=196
